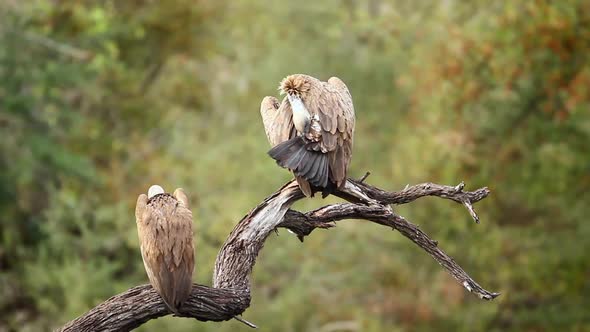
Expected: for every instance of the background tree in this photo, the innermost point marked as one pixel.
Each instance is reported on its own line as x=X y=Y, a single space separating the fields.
x=98 y=100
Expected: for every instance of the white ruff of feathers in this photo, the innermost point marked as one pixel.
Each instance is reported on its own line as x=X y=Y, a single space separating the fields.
x=155 y=190
x=301 y=116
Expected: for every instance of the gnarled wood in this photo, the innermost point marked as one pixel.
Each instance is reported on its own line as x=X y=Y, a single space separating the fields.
x=230 y=294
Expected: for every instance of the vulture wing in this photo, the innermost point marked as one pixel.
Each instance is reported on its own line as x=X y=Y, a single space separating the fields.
x=333 y=106
x=277 y=119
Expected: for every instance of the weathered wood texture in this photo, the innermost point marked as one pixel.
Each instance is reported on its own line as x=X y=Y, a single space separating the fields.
x=130 y=309
x=230 y=294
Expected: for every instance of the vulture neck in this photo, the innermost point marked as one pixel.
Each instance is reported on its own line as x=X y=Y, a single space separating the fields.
x=301 y=117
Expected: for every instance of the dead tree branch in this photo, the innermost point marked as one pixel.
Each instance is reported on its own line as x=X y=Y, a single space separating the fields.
x=230 y=294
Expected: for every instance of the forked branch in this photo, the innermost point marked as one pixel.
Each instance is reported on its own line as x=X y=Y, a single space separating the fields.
x=230 y=294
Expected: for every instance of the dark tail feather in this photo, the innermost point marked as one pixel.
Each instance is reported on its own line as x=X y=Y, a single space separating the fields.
x=310 y=165
x=327 y=190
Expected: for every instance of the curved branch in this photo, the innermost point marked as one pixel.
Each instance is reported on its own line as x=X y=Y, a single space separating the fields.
x=408 y=194
x=411 y=193
x=132 y=308
x=302 y=224
x=230 y=294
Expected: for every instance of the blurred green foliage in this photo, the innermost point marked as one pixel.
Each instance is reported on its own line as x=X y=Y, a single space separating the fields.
x=100 y=99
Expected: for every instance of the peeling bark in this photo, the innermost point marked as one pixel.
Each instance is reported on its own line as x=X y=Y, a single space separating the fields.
x=230 y=294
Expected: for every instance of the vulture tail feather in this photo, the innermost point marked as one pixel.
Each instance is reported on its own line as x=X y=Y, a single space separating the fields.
x=308 y=164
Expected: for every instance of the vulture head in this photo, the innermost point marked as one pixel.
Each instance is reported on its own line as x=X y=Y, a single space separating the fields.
x=298 y=85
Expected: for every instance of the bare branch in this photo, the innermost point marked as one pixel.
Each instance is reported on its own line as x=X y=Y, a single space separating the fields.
x=409 y=194
x=382 y=215
x=302 y=225
x=230 y=295
x=361 y=180
x=412 y=193
x=130 y=309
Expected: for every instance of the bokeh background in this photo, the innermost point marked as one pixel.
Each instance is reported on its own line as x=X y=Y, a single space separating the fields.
x=101 y=99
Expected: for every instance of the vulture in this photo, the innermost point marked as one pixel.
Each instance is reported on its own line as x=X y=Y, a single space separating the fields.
x=311 y=131
x=165 y=229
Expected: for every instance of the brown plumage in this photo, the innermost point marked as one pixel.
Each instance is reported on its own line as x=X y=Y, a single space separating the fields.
x=278 y=125
x=312 y=130
x=277 y=119
x=164 y=226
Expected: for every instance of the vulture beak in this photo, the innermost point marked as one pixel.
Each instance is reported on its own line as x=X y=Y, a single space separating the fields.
x=155 y=190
